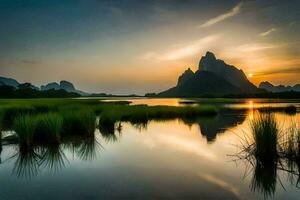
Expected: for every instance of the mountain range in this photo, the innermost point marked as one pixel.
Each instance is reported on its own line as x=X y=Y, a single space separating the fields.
x=213 y=77
x=62 y=85
x=278 y=88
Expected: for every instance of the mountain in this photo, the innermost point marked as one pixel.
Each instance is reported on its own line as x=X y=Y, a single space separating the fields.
x=213 y=77
x=50 y=86
x=278 y=88
x=63 y=85
x=9 y=82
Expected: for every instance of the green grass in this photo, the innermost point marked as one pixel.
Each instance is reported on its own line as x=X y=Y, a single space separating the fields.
x=143 y=113
x=38 y=128
x=25 y=125
x=48 y=127
x=78 y=122
x=50 y=120
x=140 y=115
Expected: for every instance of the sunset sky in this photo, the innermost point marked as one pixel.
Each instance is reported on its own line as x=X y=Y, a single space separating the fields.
x=137 y=46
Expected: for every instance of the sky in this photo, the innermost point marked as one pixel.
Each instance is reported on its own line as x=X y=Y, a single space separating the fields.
x=133 y=46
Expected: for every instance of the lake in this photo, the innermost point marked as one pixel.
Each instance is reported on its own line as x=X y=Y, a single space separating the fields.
x=172 y=159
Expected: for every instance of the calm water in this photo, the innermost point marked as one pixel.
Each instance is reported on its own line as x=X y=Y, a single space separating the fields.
x=167 y=160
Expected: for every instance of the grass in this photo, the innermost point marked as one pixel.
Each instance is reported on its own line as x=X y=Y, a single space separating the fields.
x=269 y=149
x=290 y=146
x=24 y=126
x=290 y=110
x=140 y=115
x=265 y=136
x=79 y=122
x=48 y=127
x=44 y=126
x=44 y=120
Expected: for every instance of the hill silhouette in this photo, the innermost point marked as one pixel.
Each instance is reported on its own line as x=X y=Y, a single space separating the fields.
x=278 y=88
x=213 y=77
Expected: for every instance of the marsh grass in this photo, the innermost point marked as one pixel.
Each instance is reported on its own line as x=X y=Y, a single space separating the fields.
x=38 y=122
x=40 y=128
x=48 y=127
x=140 y=115
x=269 y=149
x=143 y=113
x=78 y=122
x=265 y=137
x=290 y=146
x=25 y=125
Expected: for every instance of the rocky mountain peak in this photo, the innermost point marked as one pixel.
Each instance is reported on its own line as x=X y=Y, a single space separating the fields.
x=187 y=74
x=66 y=85
x=210 y=55
x=230 y=73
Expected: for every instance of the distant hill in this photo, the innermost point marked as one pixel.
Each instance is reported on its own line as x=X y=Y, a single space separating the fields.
x=213 y=77
x=279 y=88
x=27 y=91
x=63 y=85
x=9 y=82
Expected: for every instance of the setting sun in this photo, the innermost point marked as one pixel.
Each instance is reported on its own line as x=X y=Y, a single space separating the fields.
x=250 y=75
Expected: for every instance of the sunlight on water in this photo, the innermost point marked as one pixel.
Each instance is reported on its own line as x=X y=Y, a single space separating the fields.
x=161 y=159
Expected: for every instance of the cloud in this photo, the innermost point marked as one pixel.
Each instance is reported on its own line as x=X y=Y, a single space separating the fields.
x=291 y=70
x=255 y=47
x=235 y=10
x=263 y=34
x=182 y=51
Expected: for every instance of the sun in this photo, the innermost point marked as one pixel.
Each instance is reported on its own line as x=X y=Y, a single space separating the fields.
x=250 y=75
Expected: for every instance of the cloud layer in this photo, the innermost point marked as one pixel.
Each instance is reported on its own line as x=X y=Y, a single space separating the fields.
x=182 y=51
x=235 y=10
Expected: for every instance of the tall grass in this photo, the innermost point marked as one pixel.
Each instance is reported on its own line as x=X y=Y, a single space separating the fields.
x=38 y=128
x=271 y=149
x=25 y=125
x=79 y=122
x=265 y=136
x=290 y=145
x=143 y=113
x=48 y=127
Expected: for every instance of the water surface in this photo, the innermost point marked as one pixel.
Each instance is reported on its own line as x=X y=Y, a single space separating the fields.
x=170 y=159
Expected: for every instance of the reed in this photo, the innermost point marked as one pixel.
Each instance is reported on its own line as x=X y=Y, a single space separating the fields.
x=265 y=137
x=48 y=127
x=78 y=122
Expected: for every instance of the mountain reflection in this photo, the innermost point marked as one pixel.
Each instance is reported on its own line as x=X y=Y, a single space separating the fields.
x=227 y=118
x=209 y=127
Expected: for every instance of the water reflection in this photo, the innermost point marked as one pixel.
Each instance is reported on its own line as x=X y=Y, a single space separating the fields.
x=29 y=160
x=264 y=179
x=226 y=119
x=151 y=157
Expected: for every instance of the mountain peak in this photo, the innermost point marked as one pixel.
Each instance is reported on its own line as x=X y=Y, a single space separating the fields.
x=66 y=85
x=210 y=55
x=214 y=76
x=187 y=74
